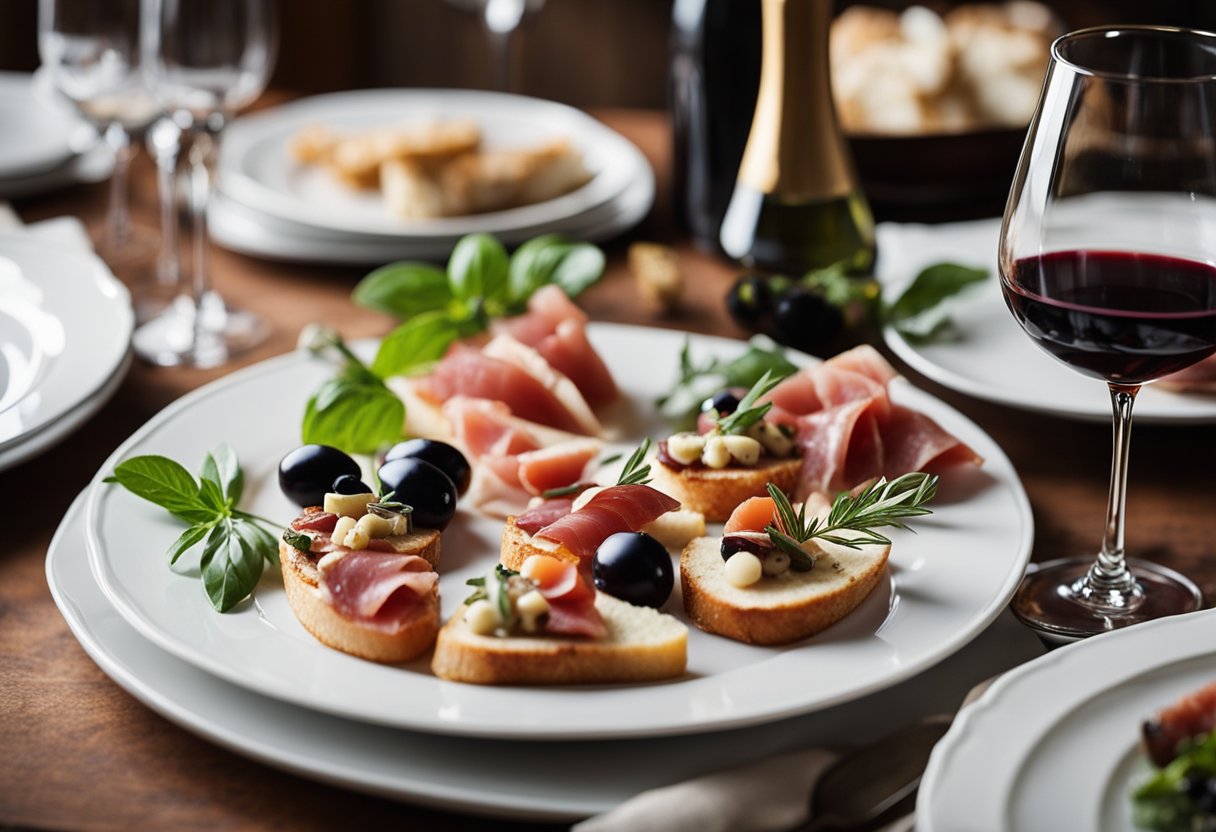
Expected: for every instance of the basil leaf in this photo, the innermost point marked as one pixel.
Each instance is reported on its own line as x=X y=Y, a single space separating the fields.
x=532 y=266
x=416 y=344
x=931 y=287
x=230 y=568
x=299 y=541
x=478 y=268
x=582 y=264
x=358 y=418
x=189 y=538
x=749 y=367
x=164 y=482
x=211 y=495
x=222 y=467
x=257 y=539
x=404 y=289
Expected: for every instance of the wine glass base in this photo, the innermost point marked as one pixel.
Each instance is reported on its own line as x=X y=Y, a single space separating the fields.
x=1049 y=603
x=179 y=336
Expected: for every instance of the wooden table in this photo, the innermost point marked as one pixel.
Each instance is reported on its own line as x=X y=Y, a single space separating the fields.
x=77 y=752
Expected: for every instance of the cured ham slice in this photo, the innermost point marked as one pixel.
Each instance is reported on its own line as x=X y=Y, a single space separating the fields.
x=381 y=589
x=465 y=371
x=571 y=599
x=824 y=438
x=556 y=329
x=620 y=508
x=866 y=361
x=557 y=466
x=520 y=355
x=1191 y=716
x=549 y=511
x=914 y=442
x=486 y=427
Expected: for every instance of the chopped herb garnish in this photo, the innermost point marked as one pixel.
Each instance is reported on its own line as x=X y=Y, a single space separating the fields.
x=494 y=591
x=298 y=540
x=564 y=491
x=882 y=504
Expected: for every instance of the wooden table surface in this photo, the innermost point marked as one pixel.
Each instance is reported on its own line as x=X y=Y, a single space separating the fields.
x=77 y=752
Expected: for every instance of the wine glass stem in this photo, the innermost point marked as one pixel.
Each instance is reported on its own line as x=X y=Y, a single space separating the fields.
x=1110 y=576
x=118 y=223
x=168 y=153
x=202 y=162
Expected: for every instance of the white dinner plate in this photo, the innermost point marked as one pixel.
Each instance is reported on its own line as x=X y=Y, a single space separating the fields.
x=944 y=585
x=35 y=135
x=65 y=327
x=538 y=781
x=994 y=359
x=238 y=227
x=1055 y=743
x=256 y=169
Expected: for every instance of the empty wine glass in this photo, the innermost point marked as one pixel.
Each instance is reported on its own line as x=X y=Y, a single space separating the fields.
x=206 y=59
x=90 y=51
x=1106 y=261
x=501 y=20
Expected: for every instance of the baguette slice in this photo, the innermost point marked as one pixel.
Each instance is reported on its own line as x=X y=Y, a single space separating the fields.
x=642 y=645
x=781 y=609
x=716 y=492
x=673 y=530
x=301 y=580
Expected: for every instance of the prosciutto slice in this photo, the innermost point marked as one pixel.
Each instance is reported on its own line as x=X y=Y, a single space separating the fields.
x=381 y=589
x=465 y=371
x=549 y=511
x=914 y=442
x=620 y=508
x=548 y=307
x=486 y=427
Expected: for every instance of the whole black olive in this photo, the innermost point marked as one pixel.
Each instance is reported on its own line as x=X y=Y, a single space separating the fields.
x=350 y=484
x=425 y=488
x=805 y=320
x=440 y=454
x=750 y=301
x=634 y=567
x=308 y=472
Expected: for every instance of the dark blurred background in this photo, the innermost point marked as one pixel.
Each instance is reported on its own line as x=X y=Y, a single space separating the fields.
x=587 y=53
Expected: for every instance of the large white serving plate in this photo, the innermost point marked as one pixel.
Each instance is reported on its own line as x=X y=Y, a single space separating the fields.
x=519 y=779
x=944 y=584
x=65 y=328
x=994 y=359
x=1055 y=743
x=256 y=169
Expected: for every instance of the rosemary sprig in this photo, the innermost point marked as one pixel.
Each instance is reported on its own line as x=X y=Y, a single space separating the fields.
x=748 y=412
x=882 y=504
x=495 y=593
x=564 y=491
x=634 y=472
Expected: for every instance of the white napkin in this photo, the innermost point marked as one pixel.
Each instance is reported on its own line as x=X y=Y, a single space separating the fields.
x=769 y=795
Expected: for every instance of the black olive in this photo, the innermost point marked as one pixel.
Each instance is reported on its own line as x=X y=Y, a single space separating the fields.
x=440 y=454
x=724 y=401
x=750 y=301
x=425 y=488
x=308 y=472
x=758 y=545
x=634 y=567
x=805 y=320
x=350 y=484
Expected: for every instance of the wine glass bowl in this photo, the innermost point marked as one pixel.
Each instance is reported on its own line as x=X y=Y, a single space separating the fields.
x=1106 y=260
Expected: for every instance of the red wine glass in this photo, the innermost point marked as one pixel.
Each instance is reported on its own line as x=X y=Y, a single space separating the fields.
x=1106 y=261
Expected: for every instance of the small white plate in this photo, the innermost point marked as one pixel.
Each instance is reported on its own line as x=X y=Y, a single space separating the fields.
x=256 y=169
x=35 y=136
x=995 y=360
x=65 y=327
x=1054 y=744
x=943 y=586
x=531 y=781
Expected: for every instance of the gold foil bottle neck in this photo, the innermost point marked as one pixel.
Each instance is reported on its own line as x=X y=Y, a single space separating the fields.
x=795 y=151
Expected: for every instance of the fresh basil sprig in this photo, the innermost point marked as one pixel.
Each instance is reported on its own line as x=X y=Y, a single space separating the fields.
x=920 y=313
x=481 y=283
x=353 y=411
x=235 y=544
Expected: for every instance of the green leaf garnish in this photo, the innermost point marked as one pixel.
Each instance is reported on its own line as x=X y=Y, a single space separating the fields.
x=235 y=545
x=299 y=541
x=493 y=588
x=1162 y=803
x=699 y=381
x=404 y=289
x=358 y=418
x=478 y=268
x=748 y=412
x=920 y=313
x=415 y=345
x=882 y=504
x=564 y=491
x=635 y=472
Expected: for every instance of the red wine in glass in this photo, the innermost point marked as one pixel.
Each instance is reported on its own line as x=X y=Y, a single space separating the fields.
x=1120 y=316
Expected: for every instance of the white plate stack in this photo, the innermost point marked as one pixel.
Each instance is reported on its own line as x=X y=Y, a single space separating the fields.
x=65 y=335
x=270 y=206
x=43 y=146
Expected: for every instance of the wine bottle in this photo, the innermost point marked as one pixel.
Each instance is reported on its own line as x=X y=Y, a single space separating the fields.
x=712 y=83
x=797 y=205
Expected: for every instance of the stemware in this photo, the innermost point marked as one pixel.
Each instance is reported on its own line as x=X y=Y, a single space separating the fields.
x=90 y=52
x=501 y=20
x=1106 y=261
x=206 y=59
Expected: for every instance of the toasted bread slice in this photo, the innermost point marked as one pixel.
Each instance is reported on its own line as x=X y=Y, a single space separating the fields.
x=517 y=546
x=301 y=580
x=780 y=609
x=641 y=645
x=715 y=492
